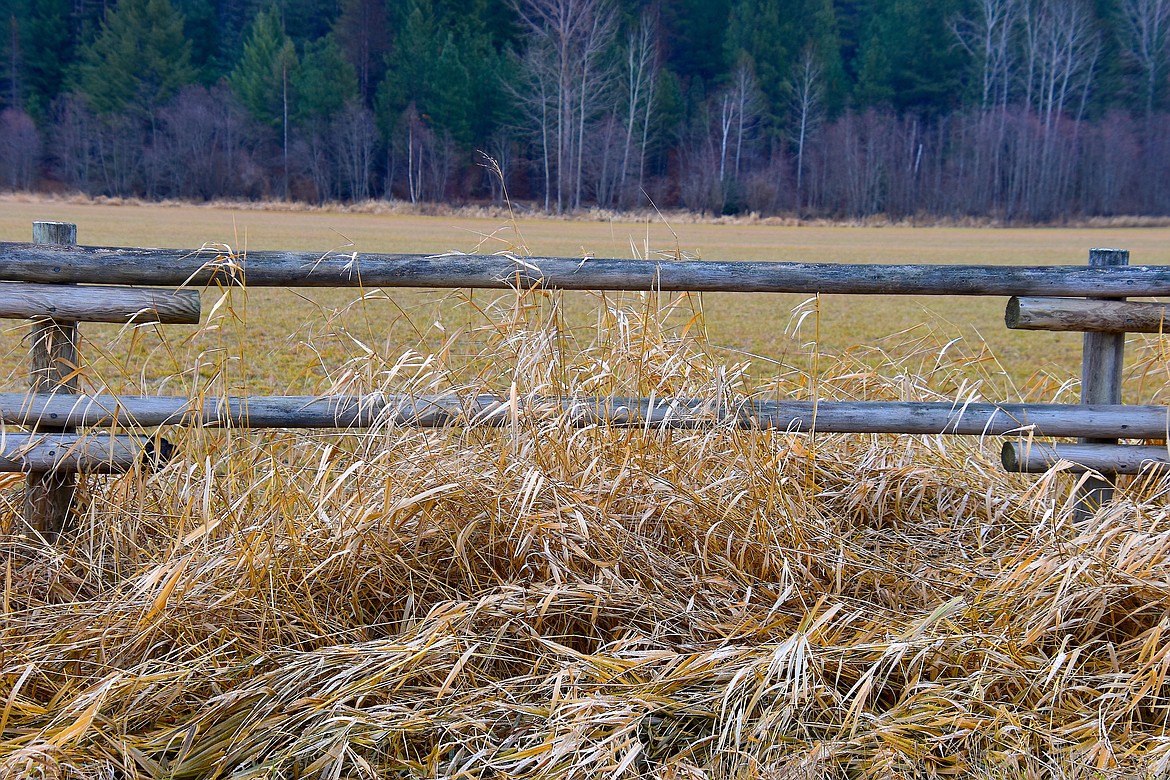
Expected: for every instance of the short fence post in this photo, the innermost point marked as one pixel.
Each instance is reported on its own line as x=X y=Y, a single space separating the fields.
x=53 y=353
x=1102 y=369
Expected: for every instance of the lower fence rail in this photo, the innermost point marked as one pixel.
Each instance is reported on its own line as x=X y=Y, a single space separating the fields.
x=92 y=453
x=1117 y=421
x=1121 y=421
x=1034 y=457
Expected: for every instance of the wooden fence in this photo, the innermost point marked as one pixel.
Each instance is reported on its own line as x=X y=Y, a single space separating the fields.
x=57 y=284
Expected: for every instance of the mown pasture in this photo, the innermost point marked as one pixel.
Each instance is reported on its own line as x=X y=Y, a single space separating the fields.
x=534 y=601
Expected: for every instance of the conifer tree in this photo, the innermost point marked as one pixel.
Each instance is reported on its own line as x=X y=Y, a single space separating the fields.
x=362 y=31
x=448 y=69
x=757 y=39
x=138 y=60
x=908 y=58
x=324 y=81
x=262 y=79
x=772 y=37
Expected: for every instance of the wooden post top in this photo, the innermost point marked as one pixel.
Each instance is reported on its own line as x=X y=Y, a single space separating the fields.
x=54 y=233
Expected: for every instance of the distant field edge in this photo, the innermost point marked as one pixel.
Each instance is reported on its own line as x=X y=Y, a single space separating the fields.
x=523 y=210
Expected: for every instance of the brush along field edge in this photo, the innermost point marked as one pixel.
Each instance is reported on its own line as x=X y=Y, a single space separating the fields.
x=1114 y=421
x=115 y=265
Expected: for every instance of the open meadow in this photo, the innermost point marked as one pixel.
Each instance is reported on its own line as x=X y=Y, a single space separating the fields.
x=760 y=328
x=540 y=601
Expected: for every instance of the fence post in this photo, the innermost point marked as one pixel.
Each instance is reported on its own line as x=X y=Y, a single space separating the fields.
x=53 y=353
x=1102 y=368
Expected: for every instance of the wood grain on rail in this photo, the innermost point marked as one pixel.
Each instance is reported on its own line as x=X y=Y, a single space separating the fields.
x=76 y=303
x=115 y=265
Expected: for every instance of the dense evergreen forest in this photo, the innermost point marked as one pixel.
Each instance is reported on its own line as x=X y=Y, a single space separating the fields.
x=1017 y=110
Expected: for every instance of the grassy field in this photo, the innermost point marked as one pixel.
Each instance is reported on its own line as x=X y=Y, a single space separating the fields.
x=739 y=327
x=538 y=601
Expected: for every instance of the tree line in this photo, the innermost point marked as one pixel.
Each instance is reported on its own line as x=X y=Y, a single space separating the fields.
x=1020 y=110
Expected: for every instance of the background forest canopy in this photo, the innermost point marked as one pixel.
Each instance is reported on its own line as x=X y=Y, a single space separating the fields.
x=1016 y=110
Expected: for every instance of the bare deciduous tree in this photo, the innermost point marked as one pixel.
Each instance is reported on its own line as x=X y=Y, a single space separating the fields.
x=747 y=110
x=199 y=143
x=738 y=114
x=1145 y=27
x=429 y=157
x=640 y=79
x=314 y=155
x=74 y=128
x=988 y=39
x=418 y=138
x=1062 y=46
x=806 y=89
x=535 y=94
x=355 y=137
x=20 y=149
x=567 y=40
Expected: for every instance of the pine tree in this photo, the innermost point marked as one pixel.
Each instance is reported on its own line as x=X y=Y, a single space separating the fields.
x=758 y=39
x=822 y=37
x=908 y=58
x=10 y=65
x=324 y=81
x=447 y=68
x=410 y=76
x=261 y=79
x=692 y=33
x=201 y=27
x=364 y=36
x=771 y=37
x=138 y=61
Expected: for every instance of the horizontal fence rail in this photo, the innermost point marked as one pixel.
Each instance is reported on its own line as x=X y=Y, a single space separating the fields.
x=1034 y=457
x=1085 y=316
x=114 y=265
x=908 y=417
x=62 y=453
x=74 y=303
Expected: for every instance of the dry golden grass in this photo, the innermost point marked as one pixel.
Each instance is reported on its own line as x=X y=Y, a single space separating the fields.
x=536 y=601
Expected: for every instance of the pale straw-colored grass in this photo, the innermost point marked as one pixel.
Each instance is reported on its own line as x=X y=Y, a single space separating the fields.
x=536 y=600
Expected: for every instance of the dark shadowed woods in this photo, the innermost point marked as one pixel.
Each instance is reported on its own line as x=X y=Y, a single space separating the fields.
x=1013 y=110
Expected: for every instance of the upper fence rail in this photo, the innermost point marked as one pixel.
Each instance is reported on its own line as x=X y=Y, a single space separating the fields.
x=122 y=265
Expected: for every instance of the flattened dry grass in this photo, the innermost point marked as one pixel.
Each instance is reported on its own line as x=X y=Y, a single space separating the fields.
x=536 y=600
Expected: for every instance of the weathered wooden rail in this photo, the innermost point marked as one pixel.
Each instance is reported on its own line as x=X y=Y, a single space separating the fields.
x=118 y=265
x=434 y=411
x=56 y=283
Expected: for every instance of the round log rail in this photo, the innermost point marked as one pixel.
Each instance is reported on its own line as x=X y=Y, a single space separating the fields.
x=114 y=265
x=1037 y=457
x=73 y=303
x=1073 y=314
x=1113 y=421
x=63 y=453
